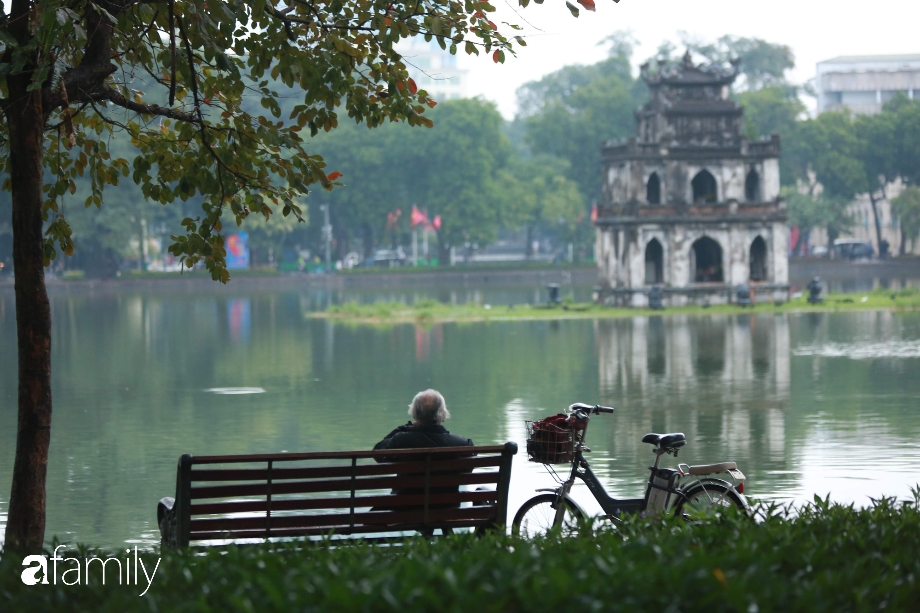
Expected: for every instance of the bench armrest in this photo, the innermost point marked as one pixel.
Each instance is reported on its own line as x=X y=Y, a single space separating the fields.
x=166 y=520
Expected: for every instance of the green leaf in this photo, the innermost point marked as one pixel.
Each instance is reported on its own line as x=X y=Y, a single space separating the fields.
x=572 y=9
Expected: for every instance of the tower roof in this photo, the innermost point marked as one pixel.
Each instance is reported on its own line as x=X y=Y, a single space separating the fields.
x=687 y=73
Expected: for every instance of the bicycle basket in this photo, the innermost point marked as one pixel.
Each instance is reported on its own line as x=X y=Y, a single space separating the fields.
x=552 y=440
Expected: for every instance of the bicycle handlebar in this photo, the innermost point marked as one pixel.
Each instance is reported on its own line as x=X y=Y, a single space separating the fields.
x=587 y=409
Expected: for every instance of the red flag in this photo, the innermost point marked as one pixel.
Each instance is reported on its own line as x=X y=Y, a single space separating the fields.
x=417 y=217
x=593 y=212
x=436 y=224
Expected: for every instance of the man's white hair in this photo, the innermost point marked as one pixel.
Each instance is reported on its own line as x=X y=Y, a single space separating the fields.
x=428 y=407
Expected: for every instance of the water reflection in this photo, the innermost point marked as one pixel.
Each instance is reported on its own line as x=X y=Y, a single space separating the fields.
x=238 y=319
x=809 y=403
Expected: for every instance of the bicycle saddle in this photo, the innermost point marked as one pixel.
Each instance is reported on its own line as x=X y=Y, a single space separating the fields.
x=666 y=441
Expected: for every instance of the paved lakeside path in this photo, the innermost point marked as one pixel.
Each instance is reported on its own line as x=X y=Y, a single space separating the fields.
x=430 y=311
x=800 y=271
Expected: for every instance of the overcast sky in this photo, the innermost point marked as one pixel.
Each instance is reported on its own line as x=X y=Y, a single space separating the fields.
x=815 y=29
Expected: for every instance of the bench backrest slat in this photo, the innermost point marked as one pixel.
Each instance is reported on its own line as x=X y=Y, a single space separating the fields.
x=333 y=520
x=323 y=472
x=325 y=532
x=279 y=498
x=332 y=455
x=337 y=485
x=301 y=504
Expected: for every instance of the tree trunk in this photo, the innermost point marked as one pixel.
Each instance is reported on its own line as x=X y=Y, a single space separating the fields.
x=443 y=250
x=903 y=248
x=528 y=247
x=25 y=529
x=368 y=241
x=878 y=226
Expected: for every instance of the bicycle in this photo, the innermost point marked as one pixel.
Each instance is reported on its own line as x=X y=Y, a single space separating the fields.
x=690 y=492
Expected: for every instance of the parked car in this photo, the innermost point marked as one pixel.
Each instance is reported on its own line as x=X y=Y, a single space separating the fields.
x=820 y=251
x=852 y=249
x=387 y=257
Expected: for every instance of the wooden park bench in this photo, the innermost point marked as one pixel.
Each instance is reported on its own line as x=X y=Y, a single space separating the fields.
x=339 y=493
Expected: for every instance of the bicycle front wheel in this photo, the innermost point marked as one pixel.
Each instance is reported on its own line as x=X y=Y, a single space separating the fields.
x=536 y=517
x=705 y=499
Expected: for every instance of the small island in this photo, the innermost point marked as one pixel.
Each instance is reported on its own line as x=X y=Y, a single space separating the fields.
x=431 y=311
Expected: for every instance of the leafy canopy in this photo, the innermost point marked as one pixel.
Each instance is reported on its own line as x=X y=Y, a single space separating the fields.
x=190 y=82
x=907 y=207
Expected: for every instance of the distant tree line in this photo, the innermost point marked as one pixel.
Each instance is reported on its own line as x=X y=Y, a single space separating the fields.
x=538 y=175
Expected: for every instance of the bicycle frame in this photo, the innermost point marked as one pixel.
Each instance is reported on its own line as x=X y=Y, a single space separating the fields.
x=613 y=508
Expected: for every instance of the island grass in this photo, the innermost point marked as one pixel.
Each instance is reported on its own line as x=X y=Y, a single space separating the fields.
x=823 y=557
x=431 y=311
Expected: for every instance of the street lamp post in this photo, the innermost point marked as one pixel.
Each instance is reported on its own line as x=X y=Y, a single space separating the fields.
x=327 y=234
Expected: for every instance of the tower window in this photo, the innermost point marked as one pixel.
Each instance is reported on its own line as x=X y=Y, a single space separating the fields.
x=704 y=187
x=758 y=259
x=654 y=263
x=752 y=187
x=706 y=261
x=653 y=189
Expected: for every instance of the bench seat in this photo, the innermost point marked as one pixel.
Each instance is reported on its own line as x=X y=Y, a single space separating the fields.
x=333 y=494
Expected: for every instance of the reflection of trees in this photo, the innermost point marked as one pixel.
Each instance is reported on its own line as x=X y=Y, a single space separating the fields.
x=130 y=399
x=132 y=367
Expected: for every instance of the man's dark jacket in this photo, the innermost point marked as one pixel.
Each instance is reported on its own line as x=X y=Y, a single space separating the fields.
x=422 y=436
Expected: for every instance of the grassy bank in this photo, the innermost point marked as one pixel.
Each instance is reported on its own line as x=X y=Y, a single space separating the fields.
x=826 y=558
x=434 y=312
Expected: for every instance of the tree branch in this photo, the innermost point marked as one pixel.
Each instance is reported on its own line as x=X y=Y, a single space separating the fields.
x=114 y=96
x=172 y=51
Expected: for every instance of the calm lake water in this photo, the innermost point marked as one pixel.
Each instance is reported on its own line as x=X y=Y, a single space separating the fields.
x=805 y=403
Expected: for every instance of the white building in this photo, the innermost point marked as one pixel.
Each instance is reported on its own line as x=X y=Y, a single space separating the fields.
x=863 y=83
x=434 y=69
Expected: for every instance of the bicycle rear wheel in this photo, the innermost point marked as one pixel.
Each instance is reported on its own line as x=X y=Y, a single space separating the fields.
x=536 y=517
x=703 y=500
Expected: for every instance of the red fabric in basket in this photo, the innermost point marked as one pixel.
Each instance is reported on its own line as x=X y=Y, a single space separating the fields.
x=550 y=441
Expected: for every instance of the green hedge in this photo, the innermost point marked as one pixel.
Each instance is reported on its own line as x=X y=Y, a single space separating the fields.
x=824 y=557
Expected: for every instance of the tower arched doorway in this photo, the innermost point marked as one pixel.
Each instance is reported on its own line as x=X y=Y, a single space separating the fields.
x=704 y=187
x=758 y=259
x=752 y=187
x=654 y=263
x=706 y=261
x=653 y=189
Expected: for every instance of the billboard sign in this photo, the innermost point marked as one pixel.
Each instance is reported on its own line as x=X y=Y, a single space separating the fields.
x=237 y=251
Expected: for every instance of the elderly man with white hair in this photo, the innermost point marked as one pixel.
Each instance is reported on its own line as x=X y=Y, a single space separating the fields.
x=428 y=411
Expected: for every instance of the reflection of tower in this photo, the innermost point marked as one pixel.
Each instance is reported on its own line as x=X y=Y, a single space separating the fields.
x=782 y=352
x=721 y=379
x=679 y=351
x=607 y=341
